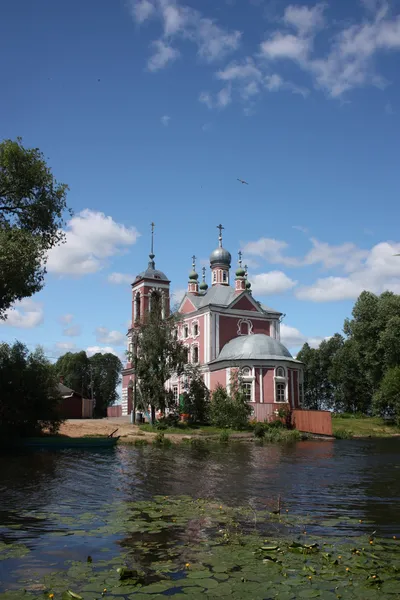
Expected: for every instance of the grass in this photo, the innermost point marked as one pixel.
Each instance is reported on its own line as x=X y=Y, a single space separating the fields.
x=183 y=429
x=348 y=426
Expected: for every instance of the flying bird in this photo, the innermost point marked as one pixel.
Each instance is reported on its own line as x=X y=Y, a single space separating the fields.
x=243 y=181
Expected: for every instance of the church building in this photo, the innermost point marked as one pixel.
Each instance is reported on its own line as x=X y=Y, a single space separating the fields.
x=224 y=328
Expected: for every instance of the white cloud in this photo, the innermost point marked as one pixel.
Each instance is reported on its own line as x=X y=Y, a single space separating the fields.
x=91 y=238
x=280 y=45
x=105 y=336
x=118 y=278
x=347 y=255
x=213 y=42
x=91 y=350
x=221 y=100
x=72 y=331
x=141 y=10
x=66 y=319
x=274 y=282
x=303 y=18
x=293 y=338
x=25 y=314
x=163 y=54
x=165 y=120
x=379 y=271
x=63 y=347
x=240 y=70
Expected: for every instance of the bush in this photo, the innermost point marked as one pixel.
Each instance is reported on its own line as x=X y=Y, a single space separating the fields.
x=161 y=426
x=229 y=411
x=259 y=430
x=29 y=396
x=160 y=441
x=140 y=443
x=386 y=401
x=224 y=437
x=276 y=424
x=343 y=434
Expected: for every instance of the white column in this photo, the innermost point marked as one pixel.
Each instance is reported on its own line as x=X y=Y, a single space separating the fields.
x=217 y=335
x=261 y=387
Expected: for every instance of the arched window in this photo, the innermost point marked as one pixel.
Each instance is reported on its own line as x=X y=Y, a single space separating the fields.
x=185 y=331
x=280 y=392
x=246 y=372
x=155 y=303
x=137 y=307
x=224 y=276
x=195 y=354
x=214 y=276
x=245 y=327
x=195 y=329
x=280 y=372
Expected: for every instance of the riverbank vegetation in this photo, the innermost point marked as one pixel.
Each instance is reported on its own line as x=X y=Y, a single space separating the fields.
x=358 y=372
x=29 y=398
x=182 y=547
x=347 y=425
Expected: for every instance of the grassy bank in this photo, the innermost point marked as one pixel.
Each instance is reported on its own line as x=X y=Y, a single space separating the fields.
x=348 y=426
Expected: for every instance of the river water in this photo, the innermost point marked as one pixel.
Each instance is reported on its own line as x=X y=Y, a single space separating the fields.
x=358 y=478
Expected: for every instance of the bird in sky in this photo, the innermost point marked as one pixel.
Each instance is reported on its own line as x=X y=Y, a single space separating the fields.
x=243 y=181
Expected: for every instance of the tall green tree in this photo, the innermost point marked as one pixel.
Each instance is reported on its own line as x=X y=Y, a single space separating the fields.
x=29 y=398
x=74 y=367
x=105 y=373
x=196 y=397
x=159 y=355
x=32 y=205
x=387 y=397
x=97 y=376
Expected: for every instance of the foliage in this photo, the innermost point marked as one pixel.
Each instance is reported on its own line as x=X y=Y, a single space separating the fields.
x=230 y=410
x=184 y=547
x=99 y=374
x=161 y=441
x=346 y=374
x=343 y=434
x=363 y=426
x=106 y=375
x=259 y=430
x=28 y=391
x=224 y=436
x=196 y=397
x=32 y=204
x=159 y=356
x=387 y=398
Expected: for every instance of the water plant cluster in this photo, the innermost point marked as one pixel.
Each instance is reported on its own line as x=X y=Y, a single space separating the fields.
x=185 y=548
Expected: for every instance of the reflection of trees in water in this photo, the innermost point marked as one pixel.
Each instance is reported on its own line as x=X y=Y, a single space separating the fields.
x=380 y=483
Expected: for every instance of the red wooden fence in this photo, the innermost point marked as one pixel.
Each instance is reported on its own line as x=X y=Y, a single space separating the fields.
x=114 y=411
x=313 y=421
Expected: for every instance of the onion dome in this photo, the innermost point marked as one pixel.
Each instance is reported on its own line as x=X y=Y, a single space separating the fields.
x=203 y=286
x=193 y=276
x=220 y=256
x=240 y=272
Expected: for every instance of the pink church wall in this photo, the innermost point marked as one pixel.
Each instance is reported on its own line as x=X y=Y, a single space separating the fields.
x=187 y=307
x=125 y=380
x=228 y=328
x=244 y=304
x=268 y=385
x=217 y=377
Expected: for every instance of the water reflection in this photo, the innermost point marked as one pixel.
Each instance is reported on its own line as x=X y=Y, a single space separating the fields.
x=359 y=478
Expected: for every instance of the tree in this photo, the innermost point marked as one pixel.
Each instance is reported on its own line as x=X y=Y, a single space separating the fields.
x=28 y=391
x=98 y=375
x=74 y=367
x=196 y=398
x=352 y=390
x=105 y=371
x=387 y=398
x=32 y=205
x=159 y=355
x=230 y=409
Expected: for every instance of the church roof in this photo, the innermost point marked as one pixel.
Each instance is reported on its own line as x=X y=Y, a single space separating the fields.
x=221 y=295
x=152 y=273
x=254 y=347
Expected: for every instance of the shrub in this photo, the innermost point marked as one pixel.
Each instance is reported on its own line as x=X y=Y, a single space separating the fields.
x=259 y=430
x=224 y=437
x=160 y=441
x=161 y=426
x=140 y=443
x=343 y=434
x=277 y=424
x=230 y=411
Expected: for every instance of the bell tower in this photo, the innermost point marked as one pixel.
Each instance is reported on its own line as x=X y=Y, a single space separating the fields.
x=220 y=262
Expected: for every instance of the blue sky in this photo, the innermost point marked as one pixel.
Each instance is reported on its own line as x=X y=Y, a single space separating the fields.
x=151 y=110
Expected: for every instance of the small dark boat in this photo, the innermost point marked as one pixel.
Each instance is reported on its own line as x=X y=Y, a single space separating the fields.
x=59 y=441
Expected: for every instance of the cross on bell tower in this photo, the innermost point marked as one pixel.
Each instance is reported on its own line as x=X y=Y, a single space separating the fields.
x=220 y=262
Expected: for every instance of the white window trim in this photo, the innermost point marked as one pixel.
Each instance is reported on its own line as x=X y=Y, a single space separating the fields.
x=278 y=380
x=195 y=322
x=248 y=323
x=193 y=346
